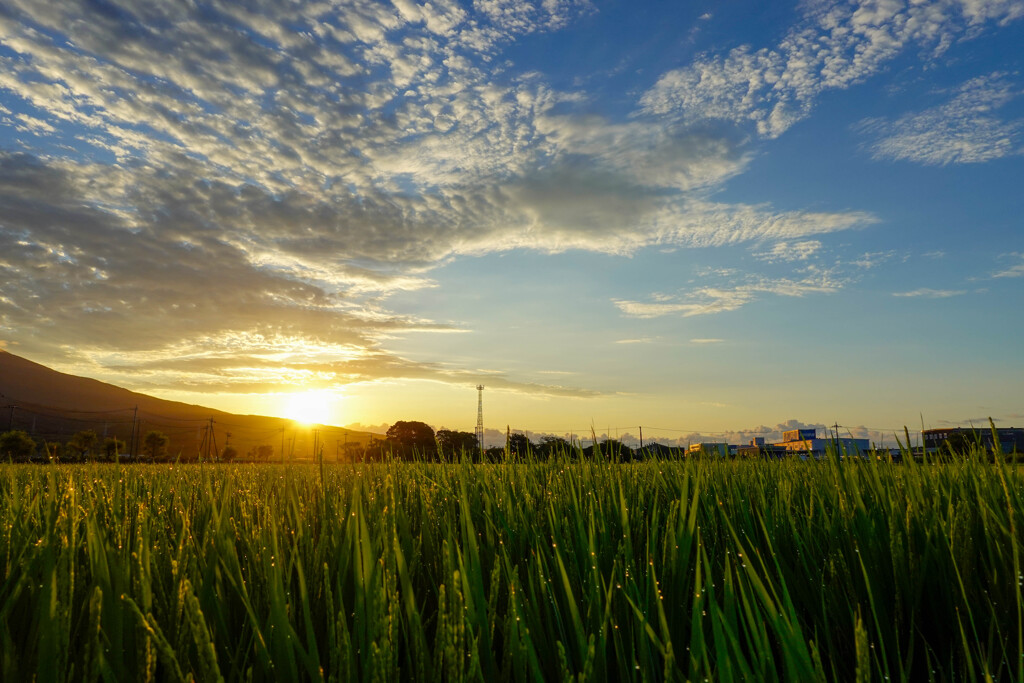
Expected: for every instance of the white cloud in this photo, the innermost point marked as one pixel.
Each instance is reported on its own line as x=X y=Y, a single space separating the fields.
x=932 y=293
x=771 y=434
x=835 y=46
x=707 y=341
x=651 y=155
x=790 y=251
x=1016 y=270
x=302 y=106
x=702 y=223
x=963 y=130
x=709 y=300
x=309 y=174
x=372 y=428
x=873 y=259
x=279 y=172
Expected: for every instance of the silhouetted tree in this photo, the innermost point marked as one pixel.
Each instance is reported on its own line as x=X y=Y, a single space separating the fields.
x=229 y=453
x=375 y=449
x=453 y=444
x=262 y=453
x=112 y=447
x=554 y=445
x=407 y=439
x=16 y=445
x=610 y=449
x=658 y=450
x=155 y=444
x=83 y=443
x=518 y=444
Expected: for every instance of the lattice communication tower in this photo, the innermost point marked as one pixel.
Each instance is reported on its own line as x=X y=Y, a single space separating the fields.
x=480 y=416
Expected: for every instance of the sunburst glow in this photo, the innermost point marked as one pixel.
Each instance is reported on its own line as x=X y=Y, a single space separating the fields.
x=309 y=407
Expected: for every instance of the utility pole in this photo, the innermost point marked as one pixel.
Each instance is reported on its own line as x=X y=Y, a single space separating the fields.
x=208 y=447
x=480 y=417
x=135 y=419
x=641 y=438
x=10 y=421
x=213 y=451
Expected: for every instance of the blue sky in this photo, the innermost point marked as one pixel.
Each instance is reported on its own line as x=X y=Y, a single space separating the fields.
x=696 y=217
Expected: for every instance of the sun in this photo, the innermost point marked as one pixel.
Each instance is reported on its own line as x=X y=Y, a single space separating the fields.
x=309 y=407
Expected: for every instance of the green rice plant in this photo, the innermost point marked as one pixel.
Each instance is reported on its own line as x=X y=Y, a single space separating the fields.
x=564 y=569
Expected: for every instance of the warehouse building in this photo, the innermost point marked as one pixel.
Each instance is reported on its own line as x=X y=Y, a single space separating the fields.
x=1011 y=439
x=716 y=448
x=805 y=442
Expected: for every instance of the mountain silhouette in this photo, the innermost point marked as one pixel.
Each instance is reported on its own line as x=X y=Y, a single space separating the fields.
x=52 y=406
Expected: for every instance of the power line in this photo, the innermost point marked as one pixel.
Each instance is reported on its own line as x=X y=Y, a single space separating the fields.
x=26 y=405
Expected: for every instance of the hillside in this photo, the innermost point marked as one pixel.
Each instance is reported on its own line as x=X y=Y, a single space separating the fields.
x=52 y=406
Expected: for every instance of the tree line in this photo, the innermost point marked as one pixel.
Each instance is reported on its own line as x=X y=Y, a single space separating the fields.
x=404 y=440
x=411 y=440
x=87 y=446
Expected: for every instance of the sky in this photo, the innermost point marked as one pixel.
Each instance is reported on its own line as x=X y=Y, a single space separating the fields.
x=695 y=218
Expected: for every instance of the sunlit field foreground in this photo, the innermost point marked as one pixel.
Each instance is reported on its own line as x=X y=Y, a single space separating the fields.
x=521 y=572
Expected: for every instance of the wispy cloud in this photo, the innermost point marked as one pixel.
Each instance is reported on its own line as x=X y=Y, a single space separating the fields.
x=964 y=130
x=707 y=341
x=1016 y=270
x=281 y=365
x=640 y=340
x=927 y=293
x=873 y=259
x=978 y=421
x=710 y=300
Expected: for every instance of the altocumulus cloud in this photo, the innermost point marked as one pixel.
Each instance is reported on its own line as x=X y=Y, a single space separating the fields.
x=233 y=192
x=834 y=46
x=963 y=130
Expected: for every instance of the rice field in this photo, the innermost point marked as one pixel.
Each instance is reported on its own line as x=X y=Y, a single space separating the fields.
x=564 y=570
